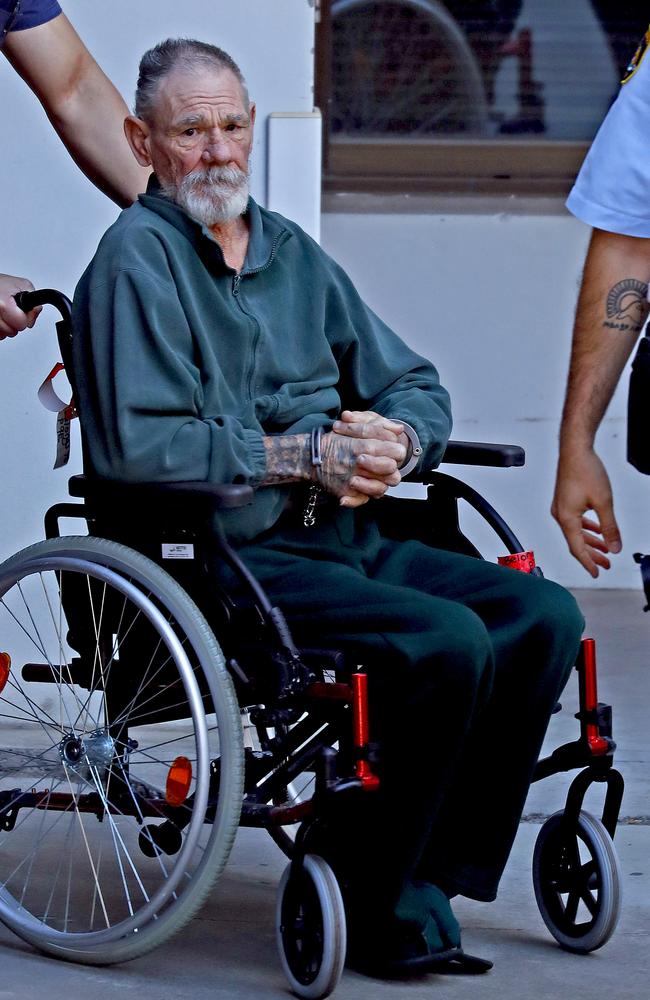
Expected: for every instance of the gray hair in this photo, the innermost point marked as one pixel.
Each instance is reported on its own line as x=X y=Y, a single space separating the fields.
x=178 y=53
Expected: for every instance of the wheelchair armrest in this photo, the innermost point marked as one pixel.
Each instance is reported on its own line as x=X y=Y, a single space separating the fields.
x=479 y=453
x=218 y=495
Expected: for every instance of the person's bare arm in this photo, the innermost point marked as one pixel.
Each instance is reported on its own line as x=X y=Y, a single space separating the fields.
x=82 y=104
x=612 y=309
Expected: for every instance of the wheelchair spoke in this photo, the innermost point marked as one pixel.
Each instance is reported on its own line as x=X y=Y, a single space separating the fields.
x=84 y=704
x=120 y=847
x=51 y=666
x=128 y=709
x=119 y=638
x=145 y=676
x=30 y=717
x=19 y=824
x=571 y=910
x=212 y=731
x=67 y=853
x=58 y=624
x=55 y=669
x=25 y=757
x=90 y=859
x=589 y=901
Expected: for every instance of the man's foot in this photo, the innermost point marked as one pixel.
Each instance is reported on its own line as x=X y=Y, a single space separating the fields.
x=427 y=908
x=423 y=936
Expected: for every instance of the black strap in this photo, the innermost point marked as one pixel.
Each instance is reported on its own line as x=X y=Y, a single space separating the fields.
x=644 y=564
x=638 y=409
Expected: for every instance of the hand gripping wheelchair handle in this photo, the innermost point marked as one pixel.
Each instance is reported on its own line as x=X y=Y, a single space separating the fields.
x=44 y=297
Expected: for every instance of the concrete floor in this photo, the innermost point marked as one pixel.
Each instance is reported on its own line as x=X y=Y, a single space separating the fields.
x=229 y=950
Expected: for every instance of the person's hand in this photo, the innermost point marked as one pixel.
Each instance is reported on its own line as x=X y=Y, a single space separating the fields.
x=368 y=424
x=583 y=485
x=356 y=469
x=13 y=319
x=364 y=424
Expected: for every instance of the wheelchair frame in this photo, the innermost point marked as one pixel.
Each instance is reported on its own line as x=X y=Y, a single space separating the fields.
x=309 y=717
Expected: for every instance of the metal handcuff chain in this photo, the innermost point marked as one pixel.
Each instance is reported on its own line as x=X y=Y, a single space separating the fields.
x=315 y=490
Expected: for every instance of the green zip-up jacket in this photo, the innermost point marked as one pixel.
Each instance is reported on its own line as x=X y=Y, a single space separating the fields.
x=183 y=366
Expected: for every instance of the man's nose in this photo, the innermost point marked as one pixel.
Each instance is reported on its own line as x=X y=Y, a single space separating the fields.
x=216 y=150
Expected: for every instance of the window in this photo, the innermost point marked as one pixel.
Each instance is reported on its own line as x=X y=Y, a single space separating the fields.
x=468 y=94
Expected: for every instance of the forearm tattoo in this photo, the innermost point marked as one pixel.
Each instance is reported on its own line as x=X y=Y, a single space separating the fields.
x=627 y=306
x=287 y=458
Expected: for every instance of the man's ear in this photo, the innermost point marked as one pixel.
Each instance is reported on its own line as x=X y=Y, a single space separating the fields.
x=137 y=135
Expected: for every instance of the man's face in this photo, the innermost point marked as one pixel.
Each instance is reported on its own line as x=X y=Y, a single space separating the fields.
x=200 y=141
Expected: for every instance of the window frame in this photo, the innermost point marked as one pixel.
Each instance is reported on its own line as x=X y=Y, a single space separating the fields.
x=425 y=164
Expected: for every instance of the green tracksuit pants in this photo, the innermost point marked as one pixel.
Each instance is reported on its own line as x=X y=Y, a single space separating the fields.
x=466 y=660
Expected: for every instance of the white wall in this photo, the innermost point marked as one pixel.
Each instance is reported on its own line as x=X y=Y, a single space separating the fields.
x=51 y=217
x=489 y=296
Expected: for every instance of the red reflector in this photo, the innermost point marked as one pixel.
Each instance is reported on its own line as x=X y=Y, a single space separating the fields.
x=598 y=745
x=5 y=667
x=523 y=561
x=179 y=780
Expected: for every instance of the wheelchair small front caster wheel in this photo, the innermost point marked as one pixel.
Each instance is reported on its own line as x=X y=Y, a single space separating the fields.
x=577 y=880
x=310 y=927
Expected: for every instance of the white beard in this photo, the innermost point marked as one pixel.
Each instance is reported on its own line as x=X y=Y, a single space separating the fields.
x=212 y=196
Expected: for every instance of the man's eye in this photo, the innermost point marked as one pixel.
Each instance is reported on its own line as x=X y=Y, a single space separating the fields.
x=189 y=132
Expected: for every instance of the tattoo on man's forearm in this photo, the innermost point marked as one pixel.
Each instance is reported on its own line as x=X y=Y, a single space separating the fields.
x=287 y=458
x=627 y=305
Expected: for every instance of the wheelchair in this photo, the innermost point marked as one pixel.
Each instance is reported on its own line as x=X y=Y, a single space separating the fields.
x=145 y=716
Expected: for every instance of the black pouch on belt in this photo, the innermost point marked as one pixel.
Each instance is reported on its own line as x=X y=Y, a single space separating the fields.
x=638 y=409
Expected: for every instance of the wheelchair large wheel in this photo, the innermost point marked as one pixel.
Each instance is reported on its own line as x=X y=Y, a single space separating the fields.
x=577 y=880
x=403 y=67
x=121 y=764
x=311 y=928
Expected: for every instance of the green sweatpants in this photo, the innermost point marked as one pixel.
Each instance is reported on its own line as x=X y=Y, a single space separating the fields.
x=466 y=660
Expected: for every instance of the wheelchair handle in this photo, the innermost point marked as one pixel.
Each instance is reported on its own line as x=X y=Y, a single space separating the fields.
x=44 y=297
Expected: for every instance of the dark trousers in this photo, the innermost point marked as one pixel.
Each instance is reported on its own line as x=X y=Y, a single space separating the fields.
x=465 y=660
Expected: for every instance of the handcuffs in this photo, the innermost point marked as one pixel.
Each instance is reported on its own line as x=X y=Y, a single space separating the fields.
x=316 y=458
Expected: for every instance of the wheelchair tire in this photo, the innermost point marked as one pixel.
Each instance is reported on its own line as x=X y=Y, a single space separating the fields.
x=577 y=881
x=311 y=928
x=120 y=791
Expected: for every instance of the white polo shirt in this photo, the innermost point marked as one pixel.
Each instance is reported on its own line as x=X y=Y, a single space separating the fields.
x=612 y=190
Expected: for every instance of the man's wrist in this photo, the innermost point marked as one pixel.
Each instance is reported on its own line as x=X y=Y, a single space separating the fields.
x=288 y=458
x=576 y=442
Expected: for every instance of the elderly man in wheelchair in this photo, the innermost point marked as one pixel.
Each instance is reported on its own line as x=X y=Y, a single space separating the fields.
x=218 y=352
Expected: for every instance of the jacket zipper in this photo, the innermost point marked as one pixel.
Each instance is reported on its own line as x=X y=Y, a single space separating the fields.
x=236 y=281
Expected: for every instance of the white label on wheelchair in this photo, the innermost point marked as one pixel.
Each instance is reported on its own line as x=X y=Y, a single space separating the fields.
x=184 y=550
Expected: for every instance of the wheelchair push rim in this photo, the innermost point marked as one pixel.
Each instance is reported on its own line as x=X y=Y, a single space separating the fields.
x=97 y=772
